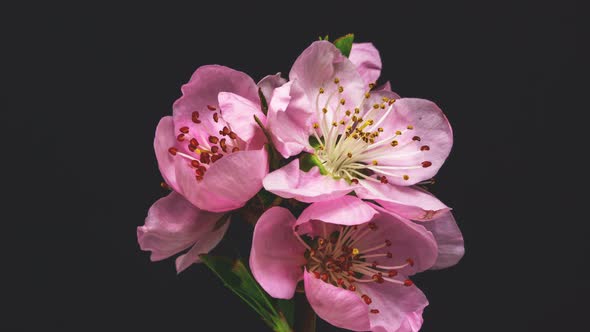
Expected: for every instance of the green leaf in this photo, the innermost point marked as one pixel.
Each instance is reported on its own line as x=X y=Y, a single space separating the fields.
x=344 y=44
x=308 y=161
x=287 y=309
x=314 y=142
x=236 y=276
x=325 y=38
x=263 y=103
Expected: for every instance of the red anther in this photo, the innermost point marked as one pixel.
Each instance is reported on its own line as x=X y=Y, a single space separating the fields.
x=199 y=178
x=426 y=164
x=388 y=243
x=214 y=149
x=173 y=151
x=416 y=138
x=321 y=241
x=215 y=117
x=213 y=139
x=410 y=261
x=350 y=272
x=198 y=172
x=164 y=185
x=374 y=311
x=184 y=130
x=195 y=115
x=408 y=283
x=195 y=163
x=392 y=273
x=216 y=157
x=222 y=144
x=367 y=299
x=355 y=181
x=180 y=137
x=194 y=142
x=316 y=274
x=233 y=135
x=324 y=277
x=352 y=288
x=424 y=148
x=374 y=264
x=340 y=281
x=378 y=278
x=202 y=169
x=226 y=131
x=384 y=179
x=211 y=107
x=311 y=252
x=235 y=149
x=372 y=226
x=192 y=147
x=389 y=255
x=205 y=158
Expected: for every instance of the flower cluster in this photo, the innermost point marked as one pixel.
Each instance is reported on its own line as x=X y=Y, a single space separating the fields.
x=352 y=157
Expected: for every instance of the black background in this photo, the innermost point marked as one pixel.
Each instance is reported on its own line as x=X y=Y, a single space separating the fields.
x=90 y=84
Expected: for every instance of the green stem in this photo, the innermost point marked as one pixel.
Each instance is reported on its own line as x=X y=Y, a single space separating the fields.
x=305 y=317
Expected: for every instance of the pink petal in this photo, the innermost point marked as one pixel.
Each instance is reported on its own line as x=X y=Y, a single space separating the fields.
x=228 y=183
x=346 y=210
x=291 y=182
x=400 y=307
x=205 y=244
x=239 y=113
x=172 y=225
x=449 y=239
x=386 y=87
x=409 y=240
x=339 y=307
x=421 y=151
x=276 y=258
x=206 y=83
x=289 y=119
x=367 y=61
x=269 y=83
x=409 y=202
x=164 y=140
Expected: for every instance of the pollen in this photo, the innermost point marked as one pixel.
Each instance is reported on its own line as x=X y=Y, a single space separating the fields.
x=397 y=132
x=371 y=85
x=355 y=251
x=374 y=162
x=406 y=177
x=325 y=110
x=316 y=125
x=335 y=124
x=394 y=143
x=349 y=154
x=367 y=95
x=347 y=113
x=342 y=101
x=322 y=90
x=410 y=127
x=336 y=80
x=340 y=89
x=376 y=106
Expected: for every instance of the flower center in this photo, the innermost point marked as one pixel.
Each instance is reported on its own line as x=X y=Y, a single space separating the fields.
x=351 y=141
x=339 y=260
x=200 y=151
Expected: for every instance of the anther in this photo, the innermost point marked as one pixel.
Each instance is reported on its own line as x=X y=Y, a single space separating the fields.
x=410 y=261
x=416 y=138
x=336 y=80
x=324 y=110
x=340 y=89
x=214 y=149
x=372 y=226
x=184 y=130
x=375 y=162
x=355 y=181
x=235 y=149
x=367 y=299
x=374 y=311
x=347 y=112
x=367 y=95
x=426 y=164
x=391 y=101
x=173 y=151
x=342 y=101
x=316 y=125
x=397 y=132
x=192 y=148
x=410 y=127
x=316 y=274
x=380 y=129
x=357 y=110
x=352 y=288
x=424 y=148
x=180 y=137
x=408 y=283
x=194 y=142
x=324 y=276
x=371 y=85
x=349 y=155
x=205 y=158
x=384 y=179
x=164 y=185
x=195 y=163
x=213 y=139
x=376 y=106
x=215 y=117
x=392 y=273
x=226 y=131
x=321 y=90
x=211 y=107
x=406 y=177
x=233 y=135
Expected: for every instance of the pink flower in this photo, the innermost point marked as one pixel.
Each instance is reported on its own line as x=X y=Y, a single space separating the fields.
x=211 y=151
x=354 y=259
x=174 y=225
x=366 y=139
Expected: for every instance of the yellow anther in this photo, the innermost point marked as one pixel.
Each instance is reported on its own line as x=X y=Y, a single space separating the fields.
x=370 y=121
x=397 y=132
x=375 y=162
x=371 y=85
x=376 y=106
x=382 y=106
x=342 y=122
x=347 y=112
x=406 y=177
x=349 y=155
x=340 y=89
x=380 y=129
x=355 y=251
x=394 y=143
x=336 y=80
x=316 y=125
x=354 y=118
x=410 y=127
x=325 y=110
x=355 y=136
x=391 y=101
x=335 y=124
x=385 y=99
x=367 y=95
x=357 y=110
x=342 y=101
x=322 y=90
